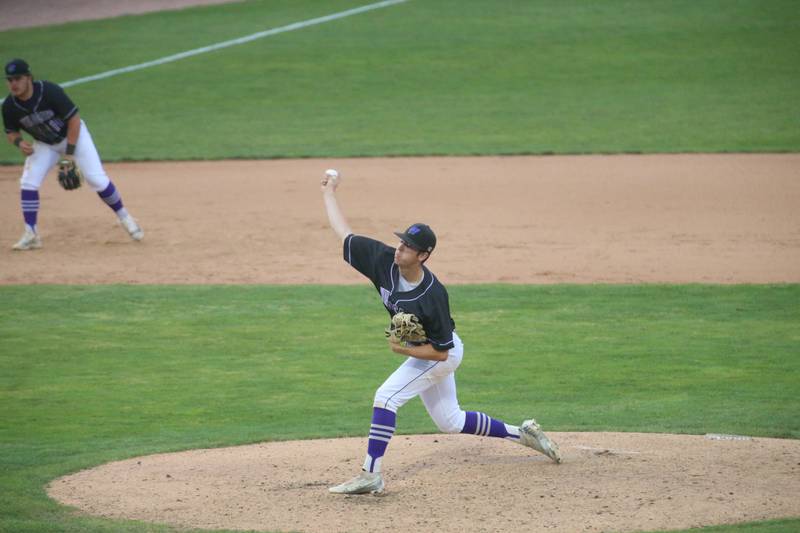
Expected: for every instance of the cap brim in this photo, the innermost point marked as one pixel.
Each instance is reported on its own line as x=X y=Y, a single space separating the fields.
x=409 y=239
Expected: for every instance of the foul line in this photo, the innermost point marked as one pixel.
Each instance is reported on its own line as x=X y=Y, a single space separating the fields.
x=234 y=42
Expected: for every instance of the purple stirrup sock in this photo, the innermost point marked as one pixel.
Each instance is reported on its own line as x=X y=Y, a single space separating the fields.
x=110 y=196
x=381 y=431
x=477 y=423
x=30 y=207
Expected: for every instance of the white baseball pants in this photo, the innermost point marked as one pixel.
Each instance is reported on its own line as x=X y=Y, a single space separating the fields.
x=434 y=382
x=45 y=156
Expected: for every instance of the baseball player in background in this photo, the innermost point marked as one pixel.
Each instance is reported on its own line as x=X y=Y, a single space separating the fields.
x=44 y=111
x=406 y=285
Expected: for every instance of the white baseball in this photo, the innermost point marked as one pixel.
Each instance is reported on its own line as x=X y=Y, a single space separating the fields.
x=332 y=174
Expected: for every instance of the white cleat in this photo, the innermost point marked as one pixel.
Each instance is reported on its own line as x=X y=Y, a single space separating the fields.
x=28 y=241
x=132 y=228
x=364 y=483
x=532 y=436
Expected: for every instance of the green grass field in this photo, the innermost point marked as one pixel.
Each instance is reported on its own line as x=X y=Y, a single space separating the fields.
x=443 y=77
x=116 y=371
x=93 y=374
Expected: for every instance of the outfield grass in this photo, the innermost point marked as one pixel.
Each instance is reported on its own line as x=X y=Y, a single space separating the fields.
x=94 y=374
x=444 y=77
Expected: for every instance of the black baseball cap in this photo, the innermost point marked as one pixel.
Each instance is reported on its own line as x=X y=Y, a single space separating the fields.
x=17 y=67
x=419 y=236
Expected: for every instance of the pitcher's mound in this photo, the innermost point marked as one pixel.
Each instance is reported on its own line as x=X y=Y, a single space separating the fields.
x=454 y=483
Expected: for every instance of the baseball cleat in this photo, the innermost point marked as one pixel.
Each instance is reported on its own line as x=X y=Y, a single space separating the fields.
x=28 y=241
x=132 y=228
x=532 y=436
x=364 y=483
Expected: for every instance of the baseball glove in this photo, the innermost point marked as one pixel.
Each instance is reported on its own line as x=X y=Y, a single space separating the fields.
x=69 y=175
x=406 y=327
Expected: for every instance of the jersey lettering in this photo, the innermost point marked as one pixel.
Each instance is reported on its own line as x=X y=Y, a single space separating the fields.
x=385 y=294
x=44 y=115
x=43 y=125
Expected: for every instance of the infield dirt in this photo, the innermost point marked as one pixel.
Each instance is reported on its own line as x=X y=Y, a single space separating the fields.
x=587 y=219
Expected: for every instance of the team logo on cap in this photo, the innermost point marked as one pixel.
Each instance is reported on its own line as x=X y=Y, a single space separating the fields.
x=12 y=68
x=413 y=230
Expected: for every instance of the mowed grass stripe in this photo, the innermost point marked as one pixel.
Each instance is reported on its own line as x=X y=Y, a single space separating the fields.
x=447 y=77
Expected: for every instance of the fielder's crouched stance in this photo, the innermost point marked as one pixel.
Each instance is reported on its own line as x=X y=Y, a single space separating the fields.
x=44 y=110
x=407 y=286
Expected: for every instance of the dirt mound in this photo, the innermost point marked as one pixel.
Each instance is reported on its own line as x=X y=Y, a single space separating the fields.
x=454 y=483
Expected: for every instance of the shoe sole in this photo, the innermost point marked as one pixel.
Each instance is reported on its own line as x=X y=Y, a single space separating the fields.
x=376 y=491
x=549 y=447
x=136 y=234
x=25 y=248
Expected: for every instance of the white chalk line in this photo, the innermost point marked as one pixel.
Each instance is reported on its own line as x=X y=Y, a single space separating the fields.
x=721 y=436
x=607 y=450
x=234 y=42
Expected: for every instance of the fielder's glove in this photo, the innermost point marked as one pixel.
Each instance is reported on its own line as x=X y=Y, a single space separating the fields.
x=69 y=175
x=406 y=327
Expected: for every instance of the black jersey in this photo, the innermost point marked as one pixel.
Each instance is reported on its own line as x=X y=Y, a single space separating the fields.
x=44 y=115
x=429 y=300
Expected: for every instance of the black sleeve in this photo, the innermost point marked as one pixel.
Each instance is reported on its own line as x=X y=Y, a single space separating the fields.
x=365 y=254
x=10 y=123
x=438 y=323
x=59 y=100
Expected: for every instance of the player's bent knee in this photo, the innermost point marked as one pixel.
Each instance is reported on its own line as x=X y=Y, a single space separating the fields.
x=98 y=182
x=452 y=422
x=30 y=181
x=448 y=428
x=386 y=401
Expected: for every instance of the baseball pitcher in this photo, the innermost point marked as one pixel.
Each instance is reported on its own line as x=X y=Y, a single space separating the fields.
x=422 y=330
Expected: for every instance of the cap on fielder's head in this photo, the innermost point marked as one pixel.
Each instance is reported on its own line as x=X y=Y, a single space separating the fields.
x=419 y=236
x=17 y=67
